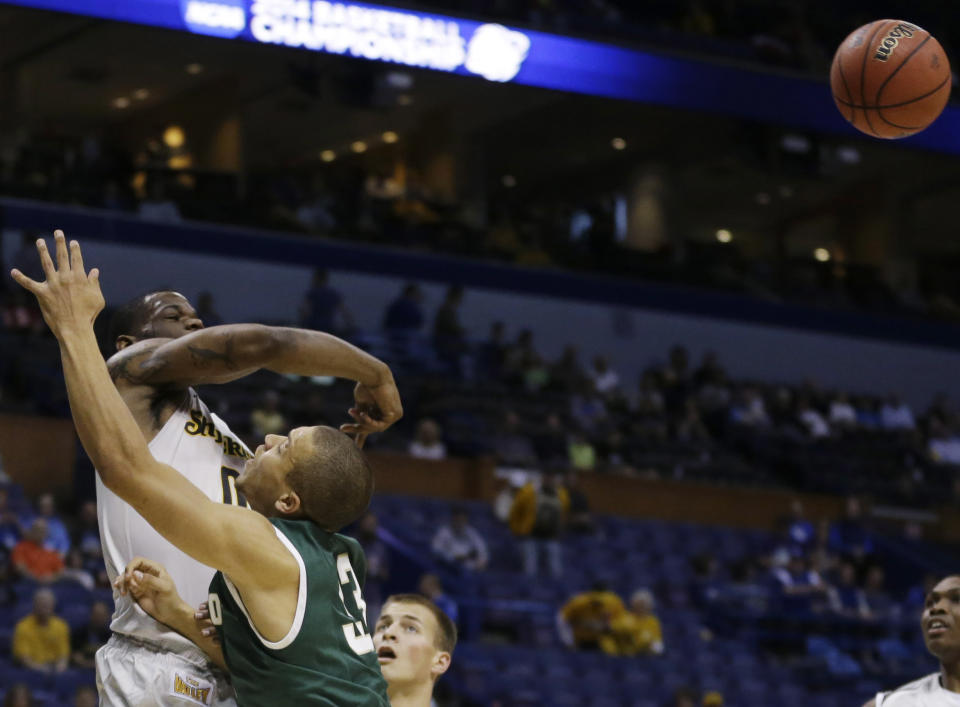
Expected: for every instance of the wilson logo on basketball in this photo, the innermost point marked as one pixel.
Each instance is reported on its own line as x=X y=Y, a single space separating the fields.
x=890 y=42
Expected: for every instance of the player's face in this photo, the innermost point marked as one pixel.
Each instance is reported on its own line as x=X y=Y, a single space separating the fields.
x=263 y=480
x=405 y=639
x=941 y=619
x=170 y=316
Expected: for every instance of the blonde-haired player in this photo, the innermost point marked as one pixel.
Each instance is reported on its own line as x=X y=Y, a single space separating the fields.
x=414 y=641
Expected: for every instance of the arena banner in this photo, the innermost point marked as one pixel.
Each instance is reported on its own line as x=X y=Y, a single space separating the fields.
x=495 y=52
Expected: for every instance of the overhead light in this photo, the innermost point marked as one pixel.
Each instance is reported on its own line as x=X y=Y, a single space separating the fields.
x=509 y=181
x=328 y=155
x=390 y=137
x=724 y=236
x=792 y=142
x=618 y=143
x=821 y=254
x=405 y=99
x=173 y=137
x=848 y=155
x=762 y=198
x=141 y=94
x=359 y=146
x=194 y=69
x=120 y=102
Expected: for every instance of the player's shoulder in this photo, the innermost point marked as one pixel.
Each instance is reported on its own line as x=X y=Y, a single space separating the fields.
x=905 y=695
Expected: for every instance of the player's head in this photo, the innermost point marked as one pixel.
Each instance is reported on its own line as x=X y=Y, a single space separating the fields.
x=313 y=472
x=414 y=641
x=163 y=314
x=940 y=621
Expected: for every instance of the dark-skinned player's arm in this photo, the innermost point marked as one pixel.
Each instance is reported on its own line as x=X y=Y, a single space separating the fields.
x=221 y=354
x=238 y=541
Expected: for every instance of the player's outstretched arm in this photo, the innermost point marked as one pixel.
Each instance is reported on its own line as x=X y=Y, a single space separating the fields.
x=224 y=353
x=236 y=540
x=153 y=589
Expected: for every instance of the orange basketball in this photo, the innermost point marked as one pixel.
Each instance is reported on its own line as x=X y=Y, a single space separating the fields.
x=890 y=79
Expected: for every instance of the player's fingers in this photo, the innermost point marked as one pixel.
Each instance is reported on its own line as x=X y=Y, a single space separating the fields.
x=361 y=439
x=45 y=260
x=24 y=281
x=63 y=259
x=76 y=257
x=95 y=276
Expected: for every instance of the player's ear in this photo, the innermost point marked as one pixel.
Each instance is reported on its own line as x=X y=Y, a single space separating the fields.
x=123 y=341
x=288 y=503
x=441 y=662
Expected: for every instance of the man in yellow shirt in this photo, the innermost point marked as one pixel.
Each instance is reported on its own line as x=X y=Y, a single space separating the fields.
x=41 y=641
x=586 y=620
x=637 y=631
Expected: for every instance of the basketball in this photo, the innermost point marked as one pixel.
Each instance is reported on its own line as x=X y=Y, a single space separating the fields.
x=890 y=79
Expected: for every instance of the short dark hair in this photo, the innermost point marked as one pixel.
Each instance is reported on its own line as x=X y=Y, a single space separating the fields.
x=130 y=318
x=446 y=639
x=336 y=484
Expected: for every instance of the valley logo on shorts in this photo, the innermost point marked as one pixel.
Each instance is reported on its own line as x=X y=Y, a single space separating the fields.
x=199 y=691
x=217 y=18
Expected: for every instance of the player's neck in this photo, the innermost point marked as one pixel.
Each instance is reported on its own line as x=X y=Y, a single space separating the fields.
x=416 y=694
x=950 y=676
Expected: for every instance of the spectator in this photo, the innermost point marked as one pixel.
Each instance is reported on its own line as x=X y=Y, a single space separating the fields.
x=34 y=561
x=751 y=410
x=492 y=353
x=427 y=443
x=675 y=377
x=649 y=397
x=9 y=524
x=550 y=440
x=606 y=381
x=85 y=696
x=944 y=444
x=579 y=519
x=267 y=418
x=503 y=501
x=800 y=531
x=683 y=697
x=432 y=589
x=712 y=699
x=378 y=565
x=896 y=415
x=460 y=544
x=86 y=537
x=811 y=419
x=207 y=311
x=637 y=631
x=586 y=620
x=800 y=588
x=518 y=355
x=19 y=695
x=842 y=414
x=849 y=536
x=41 y=640
x=405 y=313
x=158 y=207
x=537 y=516
x=880 y=605
x=582 y=455
x=587 y=409
x=58 y=538
x=323 y=308
x=448 y=332
x=846 y=598
x=86 y=640
x=511 y=447
x=315 y=214
x=690 y=428
x=75 y=570
x=568 y=375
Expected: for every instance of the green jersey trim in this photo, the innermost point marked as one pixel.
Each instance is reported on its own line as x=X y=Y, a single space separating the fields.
x=301 y=600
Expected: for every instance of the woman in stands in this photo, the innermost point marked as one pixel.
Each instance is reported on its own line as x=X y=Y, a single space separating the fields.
x=940 y=623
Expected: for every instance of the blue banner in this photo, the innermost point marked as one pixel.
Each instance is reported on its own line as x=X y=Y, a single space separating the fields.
x=503 y=54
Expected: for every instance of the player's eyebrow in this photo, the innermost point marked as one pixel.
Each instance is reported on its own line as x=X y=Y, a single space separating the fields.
x=412 y=618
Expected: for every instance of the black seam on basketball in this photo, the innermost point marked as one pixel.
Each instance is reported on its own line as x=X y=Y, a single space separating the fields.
x=895 y=125
x=902 y=103
x=902 y=64
x=863 y=74
x=846 y=87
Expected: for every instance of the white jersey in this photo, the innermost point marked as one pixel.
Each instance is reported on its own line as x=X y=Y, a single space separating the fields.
x=199 y=445
x=925 y=692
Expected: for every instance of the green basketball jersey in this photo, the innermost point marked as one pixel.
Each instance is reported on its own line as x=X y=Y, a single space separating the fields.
x=327 y=658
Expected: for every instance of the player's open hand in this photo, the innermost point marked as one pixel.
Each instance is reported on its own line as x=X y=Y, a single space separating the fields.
x=376 y=408
x=69 y=297
x=205 y=623
x=152 y=587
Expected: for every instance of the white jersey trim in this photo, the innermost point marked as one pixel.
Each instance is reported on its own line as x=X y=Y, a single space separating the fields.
x=301 y=600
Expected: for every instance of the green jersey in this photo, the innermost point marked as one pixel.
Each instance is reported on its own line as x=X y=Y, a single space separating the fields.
x=327 y=658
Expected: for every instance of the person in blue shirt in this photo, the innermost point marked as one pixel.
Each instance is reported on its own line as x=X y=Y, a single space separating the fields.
x=405 y=313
